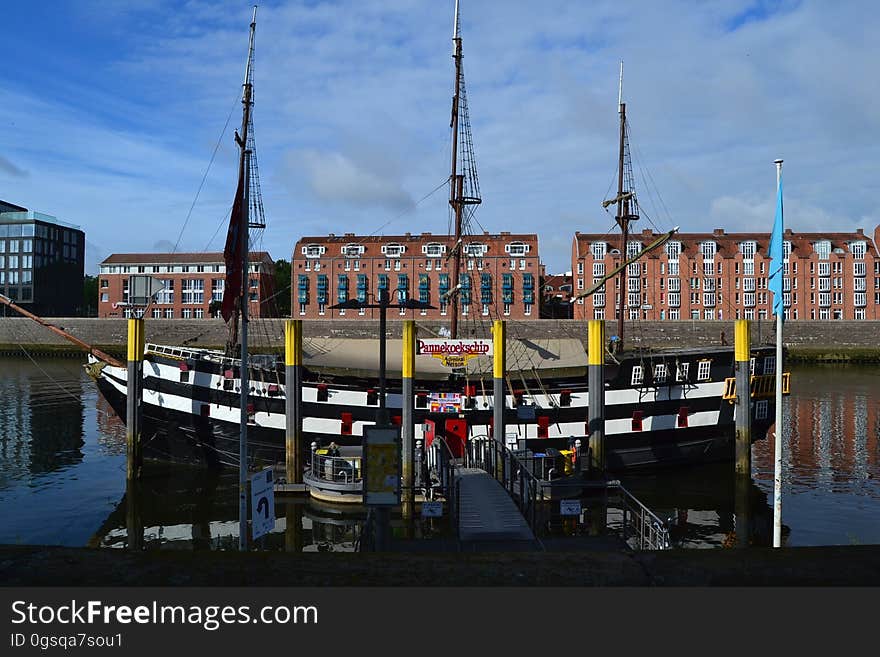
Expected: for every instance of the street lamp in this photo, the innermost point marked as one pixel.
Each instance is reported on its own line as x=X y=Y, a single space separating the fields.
x=383 y=304
x=383 y=517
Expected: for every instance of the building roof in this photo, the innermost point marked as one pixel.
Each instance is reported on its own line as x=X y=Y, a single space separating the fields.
x=173 y=258
x=6 y=206
x=421 y=238
x=728 y=243
x=372 y=243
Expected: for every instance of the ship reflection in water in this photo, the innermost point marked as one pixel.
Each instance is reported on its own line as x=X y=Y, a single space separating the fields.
x=62 y=477
x=197 y=509
x=699 y=505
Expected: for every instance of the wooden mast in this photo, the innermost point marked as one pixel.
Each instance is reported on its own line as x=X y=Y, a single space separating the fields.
x=621 y=221
x=626 y=203
x=624 y=228
x=242 y=201
x=243 y=187
x=456 y=181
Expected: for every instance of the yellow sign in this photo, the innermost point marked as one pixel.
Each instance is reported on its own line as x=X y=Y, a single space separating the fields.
x=381 y=464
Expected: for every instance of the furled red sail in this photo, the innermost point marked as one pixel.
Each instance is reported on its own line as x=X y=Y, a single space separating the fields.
x=236 y=241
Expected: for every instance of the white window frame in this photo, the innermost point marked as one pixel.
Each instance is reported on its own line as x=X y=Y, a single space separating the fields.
x=638 y=375
x=704 y=370
x=660 y=373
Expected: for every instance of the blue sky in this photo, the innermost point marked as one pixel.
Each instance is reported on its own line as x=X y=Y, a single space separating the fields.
x=110 y=114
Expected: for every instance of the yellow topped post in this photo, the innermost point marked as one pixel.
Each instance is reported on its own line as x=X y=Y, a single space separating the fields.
x=499 y=348
x=741 y=341
x=742 y=367
x=743 y=442
x=596 y=342
x=293 y=347
x=499 y=371
x=596 y=393
x=407 y=493
x=134 y=396
x=293 y=340
x=135 y=340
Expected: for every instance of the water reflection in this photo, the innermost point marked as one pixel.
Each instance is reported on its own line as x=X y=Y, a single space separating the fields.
x=197 y=509
x=41 y=418
x=62 y=477
x=831 y=468
x=700 y=506
x=59 y=476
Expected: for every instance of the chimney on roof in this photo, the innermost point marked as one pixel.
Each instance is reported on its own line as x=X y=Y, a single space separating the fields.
x=788 y=231
x=647 y=232
x=349 y=235
x=332 y=235
x=718 y=232
x=505 y=232
x=406 y=234
x=860 y=231
x=423 y=234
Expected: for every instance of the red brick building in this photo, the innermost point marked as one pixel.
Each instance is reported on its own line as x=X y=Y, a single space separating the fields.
x=722 y=275
x=498 y=276
x=556 y=290
x=192 y=282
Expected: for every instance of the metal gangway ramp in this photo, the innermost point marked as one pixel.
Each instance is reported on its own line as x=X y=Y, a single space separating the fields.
x=486 y=512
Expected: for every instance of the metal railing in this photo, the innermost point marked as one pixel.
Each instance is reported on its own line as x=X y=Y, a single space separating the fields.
x=640 y=528
x=336 y=469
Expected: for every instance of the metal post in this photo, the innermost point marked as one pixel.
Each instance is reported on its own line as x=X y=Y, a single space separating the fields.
x=383 y=303
x=293 y=407
x=777 y=438
x=408 y=427
x=499 y=368
x=596 y=383
x=742 y=351
x=134 y=395
x=743 y=464
x=243 y=370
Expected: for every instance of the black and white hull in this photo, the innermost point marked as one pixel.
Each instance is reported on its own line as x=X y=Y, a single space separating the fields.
x=675 y=415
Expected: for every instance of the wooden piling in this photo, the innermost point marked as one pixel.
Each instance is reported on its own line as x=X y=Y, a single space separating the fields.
x=742 y=353
x=134 y=396
x=293 y=349
x=407 y=421
x=596 y=400
x=499 y=370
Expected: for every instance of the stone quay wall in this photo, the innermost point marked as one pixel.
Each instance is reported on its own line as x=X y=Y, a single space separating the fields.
x=840 y=340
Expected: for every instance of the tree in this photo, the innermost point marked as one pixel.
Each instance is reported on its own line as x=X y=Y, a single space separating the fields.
x=89 y=307
x=282 y=287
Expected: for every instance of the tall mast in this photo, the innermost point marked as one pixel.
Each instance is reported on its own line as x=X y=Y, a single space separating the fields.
x=455 y=184
x=626 y=204
x=464 y=187
x=243 y=187
x=624 y=227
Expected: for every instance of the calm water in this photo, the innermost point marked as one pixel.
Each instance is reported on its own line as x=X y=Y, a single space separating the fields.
x=62 y=475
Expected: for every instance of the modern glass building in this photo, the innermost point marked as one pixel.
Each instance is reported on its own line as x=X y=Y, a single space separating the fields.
x=42 y=262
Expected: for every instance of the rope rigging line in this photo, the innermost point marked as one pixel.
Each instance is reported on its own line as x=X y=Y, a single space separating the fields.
x=205 y=176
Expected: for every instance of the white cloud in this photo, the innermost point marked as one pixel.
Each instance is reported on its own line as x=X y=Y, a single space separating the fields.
x=352 y=117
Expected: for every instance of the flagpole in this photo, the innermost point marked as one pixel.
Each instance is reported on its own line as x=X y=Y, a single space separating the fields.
x=777 y=461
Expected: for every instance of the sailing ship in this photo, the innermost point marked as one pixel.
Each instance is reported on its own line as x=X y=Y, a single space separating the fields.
x=662 y=408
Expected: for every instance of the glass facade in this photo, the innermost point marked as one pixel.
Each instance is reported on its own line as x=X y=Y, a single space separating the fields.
x=41 y=263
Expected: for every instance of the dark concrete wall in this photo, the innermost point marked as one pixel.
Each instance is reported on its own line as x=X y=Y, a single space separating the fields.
x=802 y=566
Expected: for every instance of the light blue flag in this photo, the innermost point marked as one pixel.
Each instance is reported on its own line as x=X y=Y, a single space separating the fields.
x=777 y=268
